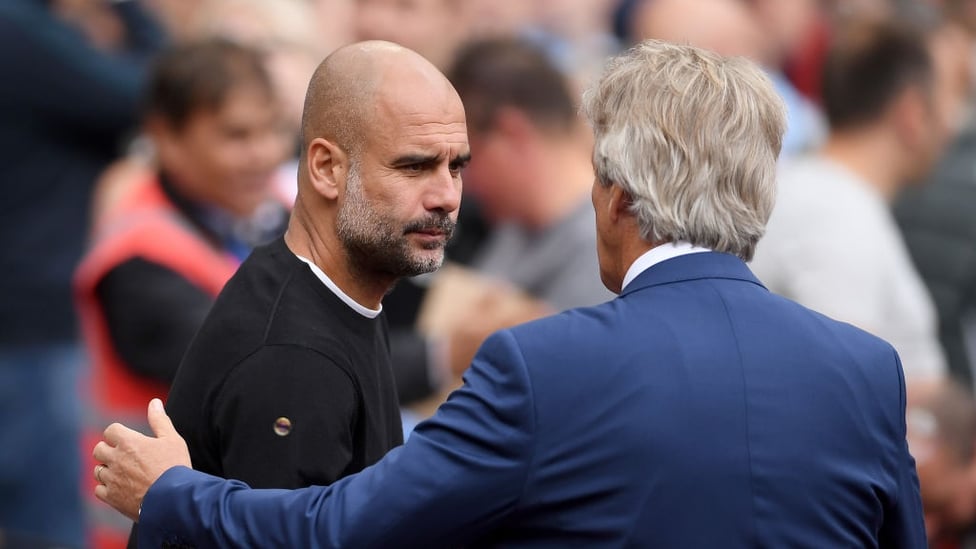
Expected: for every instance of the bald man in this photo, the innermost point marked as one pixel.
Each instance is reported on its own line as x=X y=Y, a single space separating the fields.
x=288 y=383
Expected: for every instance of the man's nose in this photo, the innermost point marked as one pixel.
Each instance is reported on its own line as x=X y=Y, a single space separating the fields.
x=444 y=191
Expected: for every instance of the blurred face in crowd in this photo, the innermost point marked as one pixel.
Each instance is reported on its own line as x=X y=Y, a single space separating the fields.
x=432 y=28
x=940 y=108
x=786 y=23
x=227 y=156
x=403 y=191
x=948 y=492
x=723 y=26
x=493 y=178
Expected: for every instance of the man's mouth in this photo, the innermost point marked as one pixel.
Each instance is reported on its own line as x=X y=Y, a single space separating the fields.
x=432 y=228
x=430 y=232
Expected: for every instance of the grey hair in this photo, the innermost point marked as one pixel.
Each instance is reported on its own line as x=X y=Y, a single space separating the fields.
x=693 y=138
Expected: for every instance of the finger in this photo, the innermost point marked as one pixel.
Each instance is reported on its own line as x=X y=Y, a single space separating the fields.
x=104 y=494
x=158 y=420
x=116 y=433
x=103 y=452
x=101 y=492
x=104 y=474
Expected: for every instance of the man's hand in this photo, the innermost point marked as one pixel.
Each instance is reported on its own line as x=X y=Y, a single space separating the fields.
x=129 y=462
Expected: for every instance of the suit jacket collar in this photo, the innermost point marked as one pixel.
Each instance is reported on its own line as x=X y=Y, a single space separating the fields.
x=693 y=267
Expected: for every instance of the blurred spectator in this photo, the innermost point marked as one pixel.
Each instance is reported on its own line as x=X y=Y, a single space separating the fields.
x=286 y=32
x=177 y=16
x=832 y=243
x=576 y=34
x=333 y=21
x=67 y=104
x=490 y=18
x=785 y=26
x=762 y=30
x=723 y=26
x=169 y=240
x=962 y=12
x=432 y=28
x=531 y=173
x=942 y=438
x=938 y=219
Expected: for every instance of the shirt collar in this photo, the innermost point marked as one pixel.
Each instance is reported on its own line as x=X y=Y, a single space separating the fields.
x=658 y=254
x=365 y=311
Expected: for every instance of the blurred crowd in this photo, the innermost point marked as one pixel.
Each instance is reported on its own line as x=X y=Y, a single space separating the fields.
x=148 y=146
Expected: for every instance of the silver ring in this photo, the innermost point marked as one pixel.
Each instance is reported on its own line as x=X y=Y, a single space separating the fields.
x=98 y=472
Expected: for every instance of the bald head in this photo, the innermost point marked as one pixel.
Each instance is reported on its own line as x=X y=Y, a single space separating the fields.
x=344 y=90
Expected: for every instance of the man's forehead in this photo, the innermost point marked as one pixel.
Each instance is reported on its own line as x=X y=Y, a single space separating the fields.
x=422 y=134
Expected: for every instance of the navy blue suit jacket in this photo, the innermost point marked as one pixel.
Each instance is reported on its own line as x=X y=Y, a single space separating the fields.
x=697 y=409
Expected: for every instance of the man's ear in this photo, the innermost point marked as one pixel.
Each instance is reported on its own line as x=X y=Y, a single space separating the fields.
x=327 y=165
x=619 y=204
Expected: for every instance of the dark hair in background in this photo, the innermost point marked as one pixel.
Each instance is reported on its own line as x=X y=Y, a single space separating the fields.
x=509 y=72
x=200 y=76
x=869 y=65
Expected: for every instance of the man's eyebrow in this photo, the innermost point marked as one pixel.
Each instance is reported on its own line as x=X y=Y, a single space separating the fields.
x=414 y=159
x=461 y=159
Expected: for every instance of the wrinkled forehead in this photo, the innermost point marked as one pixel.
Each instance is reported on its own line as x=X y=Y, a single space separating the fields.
x=417 y=113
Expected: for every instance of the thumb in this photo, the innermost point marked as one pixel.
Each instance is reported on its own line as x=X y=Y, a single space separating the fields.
x=158 y=420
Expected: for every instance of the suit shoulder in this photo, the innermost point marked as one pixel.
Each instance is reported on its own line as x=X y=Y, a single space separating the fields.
x=567 y=327
x=855 y=340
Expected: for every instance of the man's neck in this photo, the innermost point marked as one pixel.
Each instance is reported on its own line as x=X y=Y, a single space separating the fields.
x=320 y=245
x=869 y=155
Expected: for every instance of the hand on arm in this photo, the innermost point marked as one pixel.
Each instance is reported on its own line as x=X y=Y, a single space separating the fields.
x=458 y=475
x=133 y=461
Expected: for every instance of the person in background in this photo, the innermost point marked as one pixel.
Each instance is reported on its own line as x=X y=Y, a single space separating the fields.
x=697 y=409
x=531 y=175
x=166 y=245
x=786 y=25
x=432 y=28
x=936 y=216
x=832 y=243
x=758 y=29
x=69 y=101
x=942 y=438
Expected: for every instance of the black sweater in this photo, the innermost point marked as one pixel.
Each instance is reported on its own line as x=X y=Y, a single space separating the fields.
x=285 y=385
